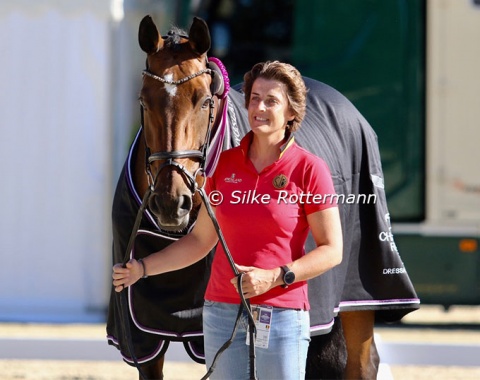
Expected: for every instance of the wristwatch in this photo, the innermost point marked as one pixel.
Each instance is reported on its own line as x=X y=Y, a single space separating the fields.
x=288 y=276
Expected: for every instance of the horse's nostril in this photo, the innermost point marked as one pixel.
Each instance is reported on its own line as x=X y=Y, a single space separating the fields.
x=185 y=203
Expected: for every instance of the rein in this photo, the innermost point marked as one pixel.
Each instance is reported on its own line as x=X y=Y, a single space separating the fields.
x=122 y=296
x=245 y=304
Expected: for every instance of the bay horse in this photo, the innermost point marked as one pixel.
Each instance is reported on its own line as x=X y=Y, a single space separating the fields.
x=189 y=115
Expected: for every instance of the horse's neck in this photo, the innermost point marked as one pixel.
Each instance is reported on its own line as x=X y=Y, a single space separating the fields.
x=139 y=176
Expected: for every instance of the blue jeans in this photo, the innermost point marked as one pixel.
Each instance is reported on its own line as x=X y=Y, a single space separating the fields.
x=285 y=357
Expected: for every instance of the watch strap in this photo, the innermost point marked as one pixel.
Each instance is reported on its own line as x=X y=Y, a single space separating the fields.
x=285 y=270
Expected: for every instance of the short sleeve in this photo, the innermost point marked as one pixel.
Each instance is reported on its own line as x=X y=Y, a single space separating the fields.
x=319 y=186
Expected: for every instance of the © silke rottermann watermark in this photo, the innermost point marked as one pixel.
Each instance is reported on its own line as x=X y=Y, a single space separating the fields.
x=284 y=197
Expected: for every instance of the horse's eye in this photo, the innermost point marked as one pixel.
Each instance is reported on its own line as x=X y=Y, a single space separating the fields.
x=206 y=103
x=142 y=103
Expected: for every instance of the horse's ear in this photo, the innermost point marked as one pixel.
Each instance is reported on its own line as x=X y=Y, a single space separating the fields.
x=148 y=37
x=199 y=36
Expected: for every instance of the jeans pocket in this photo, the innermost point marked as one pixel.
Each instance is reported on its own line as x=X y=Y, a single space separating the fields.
x=208 y=303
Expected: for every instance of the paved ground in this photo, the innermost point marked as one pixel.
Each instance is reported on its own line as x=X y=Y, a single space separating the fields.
x=432 y=324
x=459 y=326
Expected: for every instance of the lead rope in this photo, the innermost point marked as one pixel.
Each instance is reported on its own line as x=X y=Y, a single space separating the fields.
x=245 y=304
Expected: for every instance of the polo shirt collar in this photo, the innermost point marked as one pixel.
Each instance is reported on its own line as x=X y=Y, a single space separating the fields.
x=290 y=139
x=247 y=140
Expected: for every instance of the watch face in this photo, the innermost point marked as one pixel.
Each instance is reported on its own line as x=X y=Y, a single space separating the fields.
x=289 y=277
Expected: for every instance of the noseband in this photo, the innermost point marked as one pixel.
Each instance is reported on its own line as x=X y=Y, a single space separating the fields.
x=170 y=157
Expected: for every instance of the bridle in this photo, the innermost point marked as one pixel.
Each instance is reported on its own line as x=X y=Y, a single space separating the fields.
x=170 y=157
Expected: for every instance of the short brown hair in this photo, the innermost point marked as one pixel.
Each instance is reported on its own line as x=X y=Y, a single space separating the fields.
x=288 y=75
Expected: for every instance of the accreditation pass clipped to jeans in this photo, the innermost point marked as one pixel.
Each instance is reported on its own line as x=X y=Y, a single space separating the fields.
x=262 y=316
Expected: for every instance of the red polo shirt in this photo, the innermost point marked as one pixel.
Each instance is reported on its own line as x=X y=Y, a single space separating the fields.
x=263 y=217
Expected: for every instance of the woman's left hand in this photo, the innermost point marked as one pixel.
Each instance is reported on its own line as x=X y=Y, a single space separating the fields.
x=255 y=281
x=126 y=276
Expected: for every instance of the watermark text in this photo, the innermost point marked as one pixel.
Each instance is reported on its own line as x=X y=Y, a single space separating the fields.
x=284 y=197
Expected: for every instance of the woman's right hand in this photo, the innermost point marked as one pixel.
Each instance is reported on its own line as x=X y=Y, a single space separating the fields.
x=126 y=276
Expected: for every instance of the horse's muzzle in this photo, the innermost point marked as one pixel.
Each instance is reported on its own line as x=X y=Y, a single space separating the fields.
x=172 y=214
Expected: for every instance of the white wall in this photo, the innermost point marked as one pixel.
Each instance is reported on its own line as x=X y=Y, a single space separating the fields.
x=69 y=77
x=54 y=162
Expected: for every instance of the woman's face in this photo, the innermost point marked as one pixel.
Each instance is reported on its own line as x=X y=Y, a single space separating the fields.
x=269 y=110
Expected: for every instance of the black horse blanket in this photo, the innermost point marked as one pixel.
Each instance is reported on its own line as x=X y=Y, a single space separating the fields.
x=371 y=276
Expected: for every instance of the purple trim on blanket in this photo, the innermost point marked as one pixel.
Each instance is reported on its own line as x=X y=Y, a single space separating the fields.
x=391 y=302
x=163 y=345
x=130 y=184
x=324 y=328
x=193 y=352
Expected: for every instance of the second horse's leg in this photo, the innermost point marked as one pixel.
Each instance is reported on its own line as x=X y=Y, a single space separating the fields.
x=362 y=355
x=327 y=355
x=154 y=370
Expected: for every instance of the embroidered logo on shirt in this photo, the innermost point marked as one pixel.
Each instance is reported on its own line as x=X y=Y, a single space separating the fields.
x=280 y=181
x=232 y=179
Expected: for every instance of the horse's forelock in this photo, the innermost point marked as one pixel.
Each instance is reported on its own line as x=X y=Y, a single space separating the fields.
x=174 y=37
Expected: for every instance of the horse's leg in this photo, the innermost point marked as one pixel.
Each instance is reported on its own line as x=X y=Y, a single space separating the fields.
x=154 y=370
x=327 y=355
x=362 y=359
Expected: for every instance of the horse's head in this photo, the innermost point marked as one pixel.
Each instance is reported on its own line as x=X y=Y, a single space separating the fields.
x=178 y=102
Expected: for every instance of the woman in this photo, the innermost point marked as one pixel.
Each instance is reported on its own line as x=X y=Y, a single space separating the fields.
x=272 y=193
